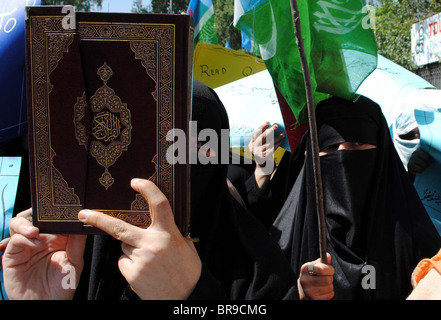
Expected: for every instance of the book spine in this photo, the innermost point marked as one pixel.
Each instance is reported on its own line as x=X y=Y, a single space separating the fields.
x=190 y=48
x=183 y=111
x=29 y=97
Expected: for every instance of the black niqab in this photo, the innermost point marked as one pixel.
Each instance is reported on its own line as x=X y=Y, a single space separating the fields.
x=377 y=228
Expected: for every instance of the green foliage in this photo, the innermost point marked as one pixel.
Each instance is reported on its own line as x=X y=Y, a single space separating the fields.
x=163 y=6
x=80 y=5
x=223 y=11
x=224 y=15
x=139 y=8
x=393 y=22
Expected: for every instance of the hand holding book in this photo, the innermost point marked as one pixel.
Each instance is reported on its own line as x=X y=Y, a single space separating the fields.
x=158 y=262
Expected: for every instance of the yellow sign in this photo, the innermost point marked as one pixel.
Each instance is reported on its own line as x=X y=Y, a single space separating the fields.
x=246 y=153
x=216 y=66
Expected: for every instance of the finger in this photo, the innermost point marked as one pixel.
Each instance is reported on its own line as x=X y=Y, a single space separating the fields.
x=125 y=263
x=318 y=267
x=190 y=243
x=327 y=295
x=328 y=258
x=4 y=244
x=320 y=270
x=317 y=280
x=127 y=250
x=160 y=210
x=316 y=288
x=265 y=152
x=75 y=248
x=18 y=245
x=27 y=214
x=115 y=227
x=279 y=137
x=278 y=140
x=22 y=226
x=259 y=130
x=267 y=137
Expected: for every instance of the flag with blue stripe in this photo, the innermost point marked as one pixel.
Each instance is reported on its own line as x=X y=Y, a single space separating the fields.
x=203 y=14
x=338 y=38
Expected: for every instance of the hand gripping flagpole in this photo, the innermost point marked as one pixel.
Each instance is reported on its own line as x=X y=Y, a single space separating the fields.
x=312 y=132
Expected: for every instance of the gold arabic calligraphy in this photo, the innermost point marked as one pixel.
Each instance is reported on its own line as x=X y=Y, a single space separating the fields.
x=106 y=126
x=111 y=125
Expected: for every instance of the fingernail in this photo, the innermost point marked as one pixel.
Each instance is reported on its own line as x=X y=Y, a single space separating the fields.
x=83 y=214
x=135 y=181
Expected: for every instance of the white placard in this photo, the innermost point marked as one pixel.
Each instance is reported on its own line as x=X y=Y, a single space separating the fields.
x=426 y=40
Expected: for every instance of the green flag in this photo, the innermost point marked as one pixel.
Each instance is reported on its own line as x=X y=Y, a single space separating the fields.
x=203 y=14
x=339 y=43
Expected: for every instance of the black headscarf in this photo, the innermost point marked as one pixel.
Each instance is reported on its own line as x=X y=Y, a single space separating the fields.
x=374 y=217
x=240 y=259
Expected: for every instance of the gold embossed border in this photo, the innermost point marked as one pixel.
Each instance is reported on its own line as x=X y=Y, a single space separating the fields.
x=154 y=46
x=56 y=201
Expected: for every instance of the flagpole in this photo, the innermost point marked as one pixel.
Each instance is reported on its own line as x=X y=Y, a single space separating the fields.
x=312 y=132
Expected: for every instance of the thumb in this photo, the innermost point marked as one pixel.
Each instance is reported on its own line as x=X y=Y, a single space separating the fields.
x=328 y=258
x=75 y=248
x=160 y=210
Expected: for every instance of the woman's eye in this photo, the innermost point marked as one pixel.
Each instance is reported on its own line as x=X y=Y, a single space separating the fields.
x=331 y=147
x=352 y=144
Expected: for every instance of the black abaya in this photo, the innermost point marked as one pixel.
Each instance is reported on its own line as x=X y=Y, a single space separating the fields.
x=235 y=247
x=374 y=217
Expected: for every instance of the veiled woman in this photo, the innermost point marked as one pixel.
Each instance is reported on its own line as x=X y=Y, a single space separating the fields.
x=377 y=228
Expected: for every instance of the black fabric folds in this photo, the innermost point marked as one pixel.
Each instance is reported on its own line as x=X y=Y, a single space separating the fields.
x=377 y=228
x=265 y=205
x=235 y=247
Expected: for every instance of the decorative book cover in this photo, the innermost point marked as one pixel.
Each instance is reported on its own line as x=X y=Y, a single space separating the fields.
x=102 y=98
